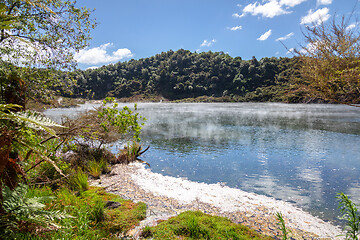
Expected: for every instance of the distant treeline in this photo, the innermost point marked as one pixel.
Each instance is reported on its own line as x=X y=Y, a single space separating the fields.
x=183 y=74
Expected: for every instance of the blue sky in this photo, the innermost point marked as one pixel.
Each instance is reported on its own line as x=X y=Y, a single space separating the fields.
x=142 y=28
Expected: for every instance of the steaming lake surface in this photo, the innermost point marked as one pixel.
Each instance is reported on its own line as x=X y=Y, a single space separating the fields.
x=303 y=154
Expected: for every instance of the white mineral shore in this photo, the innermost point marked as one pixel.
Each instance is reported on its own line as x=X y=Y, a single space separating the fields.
x=213 y=196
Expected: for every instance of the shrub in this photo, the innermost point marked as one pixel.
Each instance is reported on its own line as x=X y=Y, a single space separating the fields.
x=131 y=153
x=94 y=168
x=79 y=181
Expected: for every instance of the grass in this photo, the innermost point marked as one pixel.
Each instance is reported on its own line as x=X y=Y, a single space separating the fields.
x=90 y=219
x=197 y=225
x=282 y=225
x=79 y=181
x=350 y=213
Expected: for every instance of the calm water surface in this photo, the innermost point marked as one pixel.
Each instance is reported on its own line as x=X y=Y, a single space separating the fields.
x=303 y=154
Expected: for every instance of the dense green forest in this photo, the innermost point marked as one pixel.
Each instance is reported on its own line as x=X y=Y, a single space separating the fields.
x=181 y=74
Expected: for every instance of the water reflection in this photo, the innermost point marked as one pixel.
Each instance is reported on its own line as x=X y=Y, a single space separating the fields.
x=304 y=154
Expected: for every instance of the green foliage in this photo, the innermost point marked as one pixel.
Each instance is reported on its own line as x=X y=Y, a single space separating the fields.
x=94 y=168
x=197 y=225
x=146 y=232
x=107 y=124
x=183 y=74
x=91 y=220
x=131 y=153
x=350 y=213
x=98 y=211
x=79 y=181
x=330 y=62
x=34 y=31
x=282 y=225
x=19 y=131
x=27 y=119
x=24 y=213
x=123 y=121
x=91 y=216
x=194 y=229
x=40 y=36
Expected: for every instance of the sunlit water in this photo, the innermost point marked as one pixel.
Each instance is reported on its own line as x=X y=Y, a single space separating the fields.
x=303 y=154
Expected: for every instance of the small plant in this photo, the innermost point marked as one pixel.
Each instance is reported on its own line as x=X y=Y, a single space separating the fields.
x=104 y=166
x=94 y=168
x=146 y=232
x=282 y=225
x=24 y=214
x=193 y=227
x=79 y=182
x=131 y=153
x=197 y=225
x=350 y=213
x=98 y=212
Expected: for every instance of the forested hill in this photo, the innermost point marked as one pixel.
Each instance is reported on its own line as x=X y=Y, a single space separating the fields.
x=183 y=74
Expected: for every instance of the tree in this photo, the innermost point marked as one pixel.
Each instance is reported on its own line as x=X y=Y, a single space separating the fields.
x=330 y=62
x=44 y=34
x=33 y=33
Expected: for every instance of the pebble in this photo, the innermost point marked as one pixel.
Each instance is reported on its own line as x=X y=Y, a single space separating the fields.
x=161 y=208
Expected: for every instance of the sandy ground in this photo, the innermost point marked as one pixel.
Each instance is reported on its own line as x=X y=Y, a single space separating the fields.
x=167 y=196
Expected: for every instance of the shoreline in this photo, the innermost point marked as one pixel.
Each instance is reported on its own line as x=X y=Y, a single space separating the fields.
x=168 y=196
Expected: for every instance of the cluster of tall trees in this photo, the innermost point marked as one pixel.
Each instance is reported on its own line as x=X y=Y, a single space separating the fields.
x=183 y=74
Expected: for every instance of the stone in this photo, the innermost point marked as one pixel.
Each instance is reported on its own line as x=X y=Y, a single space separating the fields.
x=112 y=205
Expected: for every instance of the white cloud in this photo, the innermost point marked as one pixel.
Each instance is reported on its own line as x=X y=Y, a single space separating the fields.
x=265 y=36
x=351 y=26
x=207 y=43
x=292 y=3
x=235 y=28
x=310 y=48
x=324 y=2
x=285 y=37
x=317 y=17
x=270 y=9
x=291 y=50
x=100 y=55
x=93 y=67
x=236 y=15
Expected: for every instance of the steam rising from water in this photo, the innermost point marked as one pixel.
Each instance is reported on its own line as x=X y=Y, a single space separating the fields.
x=230 y=200
x=303 y=154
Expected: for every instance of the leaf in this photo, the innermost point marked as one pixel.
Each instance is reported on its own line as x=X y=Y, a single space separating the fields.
x=33 y=120
x=46 y=158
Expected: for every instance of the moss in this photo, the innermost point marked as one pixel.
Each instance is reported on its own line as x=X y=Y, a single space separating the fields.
x=197 y=225
x=91 y=220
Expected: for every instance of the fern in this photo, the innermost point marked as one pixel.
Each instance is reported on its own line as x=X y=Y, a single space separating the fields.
x=20 y=208
x=30 y=119
x=350 y=213
x=27 y=120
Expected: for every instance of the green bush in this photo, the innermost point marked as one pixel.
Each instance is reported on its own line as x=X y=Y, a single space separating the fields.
x=79 y=181
x=197 y=225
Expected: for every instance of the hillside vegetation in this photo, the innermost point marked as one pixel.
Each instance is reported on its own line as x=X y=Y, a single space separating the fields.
x=183 y=74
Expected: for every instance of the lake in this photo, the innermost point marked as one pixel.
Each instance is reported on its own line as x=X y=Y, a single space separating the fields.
x=300 y=153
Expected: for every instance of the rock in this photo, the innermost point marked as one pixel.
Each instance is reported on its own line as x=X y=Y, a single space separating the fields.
x=112 y=205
